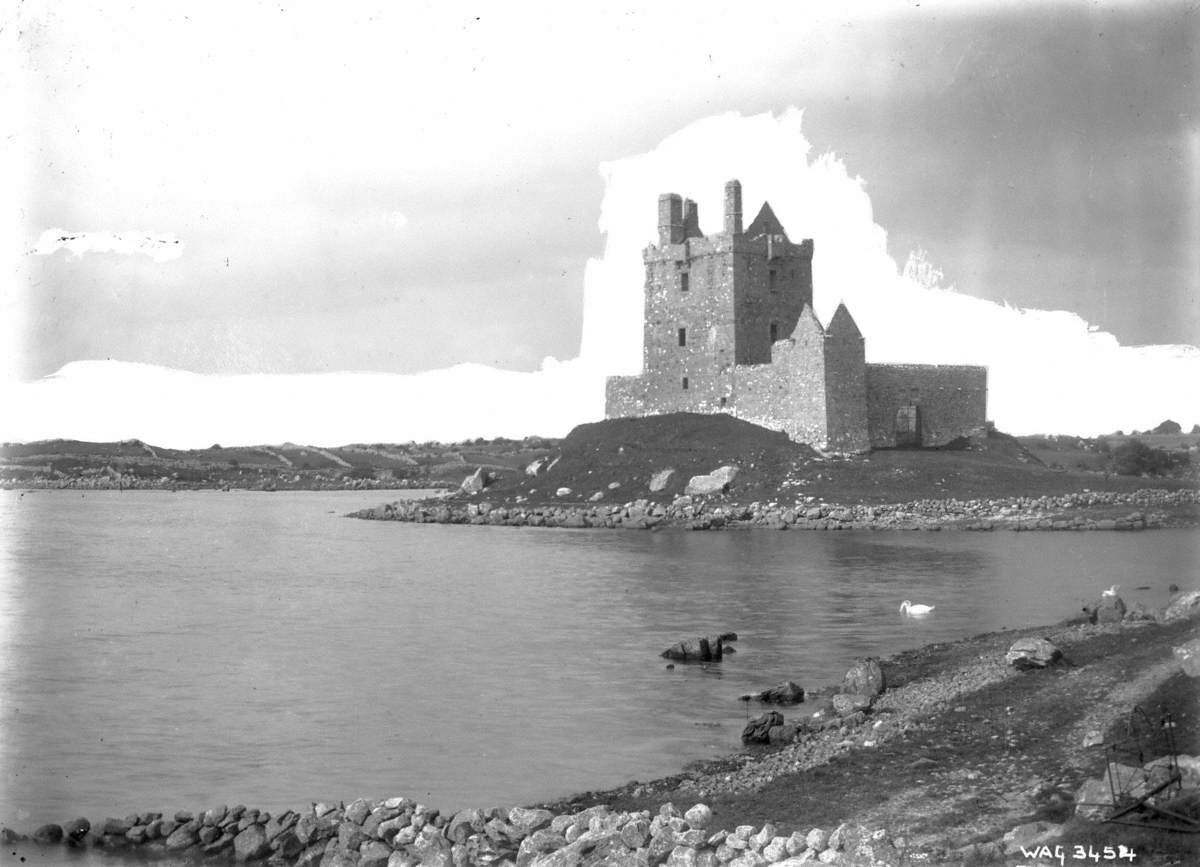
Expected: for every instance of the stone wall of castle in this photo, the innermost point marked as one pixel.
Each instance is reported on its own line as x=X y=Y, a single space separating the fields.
x=773 y=283
x=788 y=394
x=845 y=385
x=689 y=324
x=952 y=400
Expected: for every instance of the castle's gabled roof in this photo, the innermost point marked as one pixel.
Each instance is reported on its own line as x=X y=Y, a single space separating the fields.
x=808 y=323
x=766 y=223
x=842 y=324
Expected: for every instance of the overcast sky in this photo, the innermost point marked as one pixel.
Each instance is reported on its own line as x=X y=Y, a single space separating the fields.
x=250 y=188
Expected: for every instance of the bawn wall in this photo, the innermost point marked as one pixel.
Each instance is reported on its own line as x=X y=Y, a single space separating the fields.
x=952 y=398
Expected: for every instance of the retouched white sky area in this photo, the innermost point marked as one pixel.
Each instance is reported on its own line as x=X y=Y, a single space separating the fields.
x=231 y=206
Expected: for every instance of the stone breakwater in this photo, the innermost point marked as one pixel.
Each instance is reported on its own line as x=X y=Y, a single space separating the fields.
x=398 y=832
x=1086 y=510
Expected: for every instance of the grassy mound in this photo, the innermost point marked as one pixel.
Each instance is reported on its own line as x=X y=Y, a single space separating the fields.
x=617 y=458
x=628 y=452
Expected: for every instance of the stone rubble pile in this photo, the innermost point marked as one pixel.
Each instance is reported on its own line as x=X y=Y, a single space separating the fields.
x=701 y=513
x=398 y=832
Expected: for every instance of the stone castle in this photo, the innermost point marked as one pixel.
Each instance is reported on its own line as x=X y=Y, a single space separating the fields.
x=729 y=328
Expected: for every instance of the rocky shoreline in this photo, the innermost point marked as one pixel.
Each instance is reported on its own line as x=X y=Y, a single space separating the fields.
x=640 y=824
x=1150 y=508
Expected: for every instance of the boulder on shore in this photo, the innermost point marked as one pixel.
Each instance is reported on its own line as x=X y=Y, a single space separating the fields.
x=659 y=480
x=846 y=703
x=1109 y=608
x=758 y=730
x=1188 y=655
x=476 y=482
x=716 y=482
x=1027 y=653
x=1183 y=605
x=865 y=677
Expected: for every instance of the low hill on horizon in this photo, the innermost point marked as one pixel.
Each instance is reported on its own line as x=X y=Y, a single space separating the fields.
x=616 y=459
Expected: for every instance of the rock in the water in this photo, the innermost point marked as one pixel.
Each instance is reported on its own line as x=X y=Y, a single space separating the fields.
x=865 y=677
x=1109 y=608
x=758 y=730
x=704 y=649
x=77 y=829
x=1027 y=653
x=1184 y=604
x=787 y=692
x=48 y=834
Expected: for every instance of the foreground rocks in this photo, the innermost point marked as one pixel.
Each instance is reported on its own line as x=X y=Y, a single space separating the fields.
x=1087 y=510
x=398 y=832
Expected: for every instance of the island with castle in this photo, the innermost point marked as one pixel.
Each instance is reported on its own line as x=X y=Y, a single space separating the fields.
x=729 y=328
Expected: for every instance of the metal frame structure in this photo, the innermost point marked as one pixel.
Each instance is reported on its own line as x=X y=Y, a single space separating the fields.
x=1140 y=794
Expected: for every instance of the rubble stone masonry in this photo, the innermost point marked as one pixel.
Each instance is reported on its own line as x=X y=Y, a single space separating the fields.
x=728 y=327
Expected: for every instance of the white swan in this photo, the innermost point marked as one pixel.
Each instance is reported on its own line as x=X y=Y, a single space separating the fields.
x=911 y=610
x=1111 y=591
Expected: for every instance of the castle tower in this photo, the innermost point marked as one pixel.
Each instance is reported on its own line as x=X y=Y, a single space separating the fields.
x=845 y=384
x=733 y=208
x=716 y=301
x=691 y=220
x=670 y=219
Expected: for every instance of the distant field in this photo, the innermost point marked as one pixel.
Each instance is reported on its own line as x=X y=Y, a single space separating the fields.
x=75 y=463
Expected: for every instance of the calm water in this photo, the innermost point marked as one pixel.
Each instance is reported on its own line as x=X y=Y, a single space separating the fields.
x=174 y=651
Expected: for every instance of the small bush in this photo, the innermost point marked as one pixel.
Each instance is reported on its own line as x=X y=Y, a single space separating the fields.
x=1135 y=458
